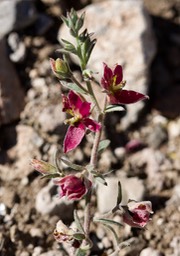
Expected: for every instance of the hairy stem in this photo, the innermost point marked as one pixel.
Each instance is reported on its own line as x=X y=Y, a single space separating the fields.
x=93 y=162
x=78 y=83
x=93 y=97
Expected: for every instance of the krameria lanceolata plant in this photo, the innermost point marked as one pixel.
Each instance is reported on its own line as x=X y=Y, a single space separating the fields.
x=80 y=184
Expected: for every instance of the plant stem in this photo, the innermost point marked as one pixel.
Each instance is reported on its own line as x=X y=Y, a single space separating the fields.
x=93 y=97
x=77 y=82
x=93 y=162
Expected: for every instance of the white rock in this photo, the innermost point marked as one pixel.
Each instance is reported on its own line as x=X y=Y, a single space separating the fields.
x=150 y=252
x=2 y=209
x=174 y=129
x=18 y=48
x=37 y=251
x=16 y=14
x=120 y=153
x=175 y=199
x=125 y=37
x=107 y=195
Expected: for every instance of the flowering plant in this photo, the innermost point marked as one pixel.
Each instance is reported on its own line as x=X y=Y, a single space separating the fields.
x=80 y=185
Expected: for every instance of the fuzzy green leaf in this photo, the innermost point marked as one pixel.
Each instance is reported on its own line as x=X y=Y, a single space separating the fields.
x=108 y=222
x=103 y=145
x=76 y=88
x=51 y=176
x=99 y=177
x=79 y=236
x=78 y=222
x=69 y=46
x=80 y=22
x=71 y=165
x=81 y=252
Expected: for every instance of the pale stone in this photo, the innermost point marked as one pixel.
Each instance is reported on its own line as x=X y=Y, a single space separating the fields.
x=107 y=195
x=150 y=252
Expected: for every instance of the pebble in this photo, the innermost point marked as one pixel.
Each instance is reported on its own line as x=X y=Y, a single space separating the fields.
x=36 y=232
x=175 y=199
x=120 y=153
x=150 y=252
x=24 y=254
x=174 y=129
x=106 y=159
x=17 y=48
x=37 y=251
x=38 y=82
x=157 y=137
x=2 y=209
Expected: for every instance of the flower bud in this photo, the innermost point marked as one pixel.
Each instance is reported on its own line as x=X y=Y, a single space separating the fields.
x=42 y=167
x=137 y=214
x=73 y=187
x=60 y=68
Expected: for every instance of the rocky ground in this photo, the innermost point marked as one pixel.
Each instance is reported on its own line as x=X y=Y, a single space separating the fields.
x=31 y=125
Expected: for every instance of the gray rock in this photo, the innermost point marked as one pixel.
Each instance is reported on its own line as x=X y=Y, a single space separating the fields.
x=153 y=162
x=48 y=202
x=158 y=136
x=11 y=92
x=15 y=15
x=107 y=195
x=175 y=199
x=17 y=48
x=125 y=39
x=52 y=118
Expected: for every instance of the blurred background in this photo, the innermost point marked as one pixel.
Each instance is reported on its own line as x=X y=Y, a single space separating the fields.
x=143 y=37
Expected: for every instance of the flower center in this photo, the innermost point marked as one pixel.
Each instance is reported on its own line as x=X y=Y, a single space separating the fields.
x=116 y=87
x=76 y=117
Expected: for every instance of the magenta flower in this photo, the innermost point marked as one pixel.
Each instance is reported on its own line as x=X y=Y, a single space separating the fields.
x=137 y=214
x=79 y=109
x=73 y=187
x=112 y=82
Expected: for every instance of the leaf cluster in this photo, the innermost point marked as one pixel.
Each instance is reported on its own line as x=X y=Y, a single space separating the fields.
x=84 y=42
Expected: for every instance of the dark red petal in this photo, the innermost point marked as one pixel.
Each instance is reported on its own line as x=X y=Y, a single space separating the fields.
x=127 y=97
x=118 y=72
x=107 y=72
x=73 y=137
x=84 y=110
x=105 y=84
x=75 y=100
x=92 y=125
